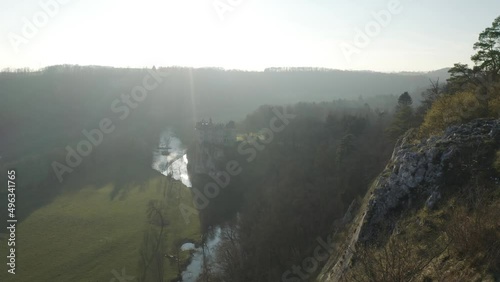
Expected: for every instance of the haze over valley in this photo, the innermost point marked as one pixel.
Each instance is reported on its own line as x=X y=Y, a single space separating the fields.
x=248 y=141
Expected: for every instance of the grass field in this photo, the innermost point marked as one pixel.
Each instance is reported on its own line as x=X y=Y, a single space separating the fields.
x=84 y=235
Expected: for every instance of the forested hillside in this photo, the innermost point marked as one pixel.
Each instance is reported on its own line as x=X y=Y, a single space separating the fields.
x=250 y=141
x=37 y=106
x=317 y=187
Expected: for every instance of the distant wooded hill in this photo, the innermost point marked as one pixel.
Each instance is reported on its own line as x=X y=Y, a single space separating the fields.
x=54 y=105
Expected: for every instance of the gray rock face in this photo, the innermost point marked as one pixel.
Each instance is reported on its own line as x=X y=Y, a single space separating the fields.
x=418 y=170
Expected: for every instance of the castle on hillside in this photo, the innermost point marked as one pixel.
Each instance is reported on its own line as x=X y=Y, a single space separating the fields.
x=216 y=134
x=212 y=139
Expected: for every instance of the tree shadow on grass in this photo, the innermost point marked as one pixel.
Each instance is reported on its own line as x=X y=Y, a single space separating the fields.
x=123 y=173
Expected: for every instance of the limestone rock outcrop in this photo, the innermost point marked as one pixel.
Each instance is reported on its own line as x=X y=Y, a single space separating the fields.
x=421 y=169
x=418 y=173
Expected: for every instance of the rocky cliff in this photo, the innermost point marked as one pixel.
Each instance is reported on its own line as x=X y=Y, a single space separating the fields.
x=419 y=173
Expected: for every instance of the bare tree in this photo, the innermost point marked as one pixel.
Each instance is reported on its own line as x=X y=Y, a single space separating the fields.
x=397 y=261
x=153 y=247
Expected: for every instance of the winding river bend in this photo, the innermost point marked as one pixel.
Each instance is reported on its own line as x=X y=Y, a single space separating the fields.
x=171 y=158
x=194 y=269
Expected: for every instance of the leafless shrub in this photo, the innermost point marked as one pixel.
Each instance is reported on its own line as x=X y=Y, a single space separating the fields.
x=397 y=261
x=474 y=229
x=151 y=263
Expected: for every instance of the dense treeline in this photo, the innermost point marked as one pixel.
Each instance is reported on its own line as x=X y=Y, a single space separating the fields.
x=471 y=92
x=40 y=109
x=297 y=188
x=42 y=112
x=469 y=234
x=301 y=184
x=294 y=187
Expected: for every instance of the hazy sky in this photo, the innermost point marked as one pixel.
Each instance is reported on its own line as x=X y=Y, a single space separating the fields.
x=255 y=34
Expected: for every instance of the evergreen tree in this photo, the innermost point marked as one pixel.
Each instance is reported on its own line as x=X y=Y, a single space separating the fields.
x=405 y=99
x=487 y=62
x=403 y=116
x=487 y=57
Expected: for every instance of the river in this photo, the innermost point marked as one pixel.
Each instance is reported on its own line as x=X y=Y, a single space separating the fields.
x=170 y=158
x=195 y=267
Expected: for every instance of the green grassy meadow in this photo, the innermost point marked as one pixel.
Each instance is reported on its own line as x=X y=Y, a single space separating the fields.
x=84 y=235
